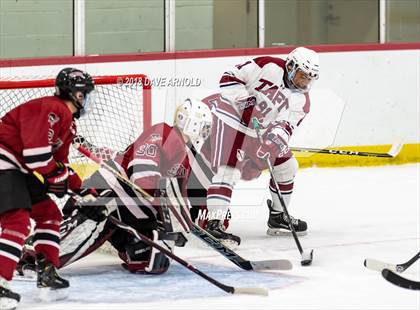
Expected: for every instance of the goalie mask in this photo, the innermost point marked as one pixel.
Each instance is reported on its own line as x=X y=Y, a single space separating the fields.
x=76 y=86
x=302 y=67
x=194 y=119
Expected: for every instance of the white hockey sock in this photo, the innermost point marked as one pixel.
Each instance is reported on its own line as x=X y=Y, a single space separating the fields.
x=286 y=190
x=218 y=201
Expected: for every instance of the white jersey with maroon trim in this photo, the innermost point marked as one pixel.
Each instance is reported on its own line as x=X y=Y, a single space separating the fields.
x=35 y=135
x=265 y=79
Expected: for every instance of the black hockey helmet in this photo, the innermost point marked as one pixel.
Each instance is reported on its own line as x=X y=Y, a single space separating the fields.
x=75 y=85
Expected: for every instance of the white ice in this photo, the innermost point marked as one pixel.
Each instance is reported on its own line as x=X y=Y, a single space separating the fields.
x=353 y=214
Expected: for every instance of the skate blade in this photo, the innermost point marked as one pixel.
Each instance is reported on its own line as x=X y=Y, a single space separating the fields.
x=47 y=294
x=283 y=232
x=8 y=303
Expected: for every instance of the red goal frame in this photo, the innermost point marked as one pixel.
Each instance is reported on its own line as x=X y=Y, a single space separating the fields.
x=99 y=80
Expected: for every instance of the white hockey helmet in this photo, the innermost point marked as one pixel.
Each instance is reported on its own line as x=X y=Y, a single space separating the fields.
x=194 y=119
x=304 y=60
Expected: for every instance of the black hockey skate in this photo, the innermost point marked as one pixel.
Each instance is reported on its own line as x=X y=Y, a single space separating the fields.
x=51 y=285
x=217 y=230
x=8 y=299
x=26 y=267
x=278 y=224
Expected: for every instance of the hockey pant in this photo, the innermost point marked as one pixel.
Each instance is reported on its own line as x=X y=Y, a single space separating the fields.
x=24 y=197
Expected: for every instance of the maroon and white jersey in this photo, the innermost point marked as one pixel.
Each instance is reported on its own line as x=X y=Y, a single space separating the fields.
x=265 y=79
x=158 y=152
x=35 y=135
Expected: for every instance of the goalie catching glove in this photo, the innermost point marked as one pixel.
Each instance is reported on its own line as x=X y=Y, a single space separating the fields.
x=93 y=207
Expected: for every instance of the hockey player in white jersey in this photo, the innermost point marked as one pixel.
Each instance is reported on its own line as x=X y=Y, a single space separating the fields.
x=276 y=92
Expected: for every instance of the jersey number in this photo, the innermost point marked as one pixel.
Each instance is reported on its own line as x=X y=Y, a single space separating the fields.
x=148 y=150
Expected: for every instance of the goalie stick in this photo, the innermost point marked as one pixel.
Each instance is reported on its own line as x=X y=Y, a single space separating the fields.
x=393 y=152
x=228 y=289
x=279 y=264
x=306 y=257
x=378 y=265
x=400 y=281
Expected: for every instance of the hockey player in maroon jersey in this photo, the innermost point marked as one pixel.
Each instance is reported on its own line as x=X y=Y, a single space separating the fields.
x=161 y=151
x=276 y=92
x=35 y=137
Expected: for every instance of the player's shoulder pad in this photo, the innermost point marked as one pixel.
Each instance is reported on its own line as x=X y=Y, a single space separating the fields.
x=265 y=60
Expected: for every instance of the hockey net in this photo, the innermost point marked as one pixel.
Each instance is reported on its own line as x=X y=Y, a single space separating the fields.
x=121 y=112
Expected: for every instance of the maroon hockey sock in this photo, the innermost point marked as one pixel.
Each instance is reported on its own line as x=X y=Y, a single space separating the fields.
x=47 y=217
x=15 y=227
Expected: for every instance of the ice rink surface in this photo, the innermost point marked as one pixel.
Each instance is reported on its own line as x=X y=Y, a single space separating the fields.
x=352 y=213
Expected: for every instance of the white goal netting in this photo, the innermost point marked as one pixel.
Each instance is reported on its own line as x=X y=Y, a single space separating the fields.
x=120 y=114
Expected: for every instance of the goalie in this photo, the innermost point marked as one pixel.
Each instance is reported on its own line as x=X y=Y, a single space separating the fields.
x=160 y=152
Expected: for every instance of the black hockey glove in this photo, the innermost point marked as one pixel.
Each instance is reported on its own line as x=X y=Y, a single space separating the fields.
x=142 y=258
x=56 y=181
x=94 y=213
x=93 y=208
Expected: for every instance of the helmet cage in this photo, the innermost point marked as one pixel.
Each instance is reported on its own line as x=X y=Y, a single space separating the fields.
x=194 y=119
x=302 y=59
x=76 y=86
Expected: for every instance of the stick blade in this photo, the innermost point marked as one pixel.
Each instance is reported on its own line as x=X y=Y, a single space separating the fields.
x=378 y=265
x=307 y=258
x=277 y=264
x=260 y=291
x=395 y=149
x=396 y=279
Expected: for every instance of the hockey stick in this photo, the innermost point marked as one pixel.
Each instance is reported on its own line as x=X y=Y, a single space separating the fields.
x=200 y=233
x=378 y=265
x=396 y=279
x=228 y=289
x=281 y=264
x=393 y=152
x=306 y=257
x=277 y=264
x=116 y=173
x=216 y=244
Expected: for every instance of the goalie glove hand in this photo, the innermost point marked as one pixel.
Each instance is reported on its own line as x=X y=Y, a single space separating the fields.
x=87 y=194
x=56 y=182
x=95 y=213
x=91 y=207
x=142 y=258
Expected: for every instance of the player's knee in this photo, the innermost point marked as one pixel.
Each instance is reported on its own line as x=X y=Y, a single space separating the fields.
x=16 y=223
x=287 y=170
x=227 y=175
